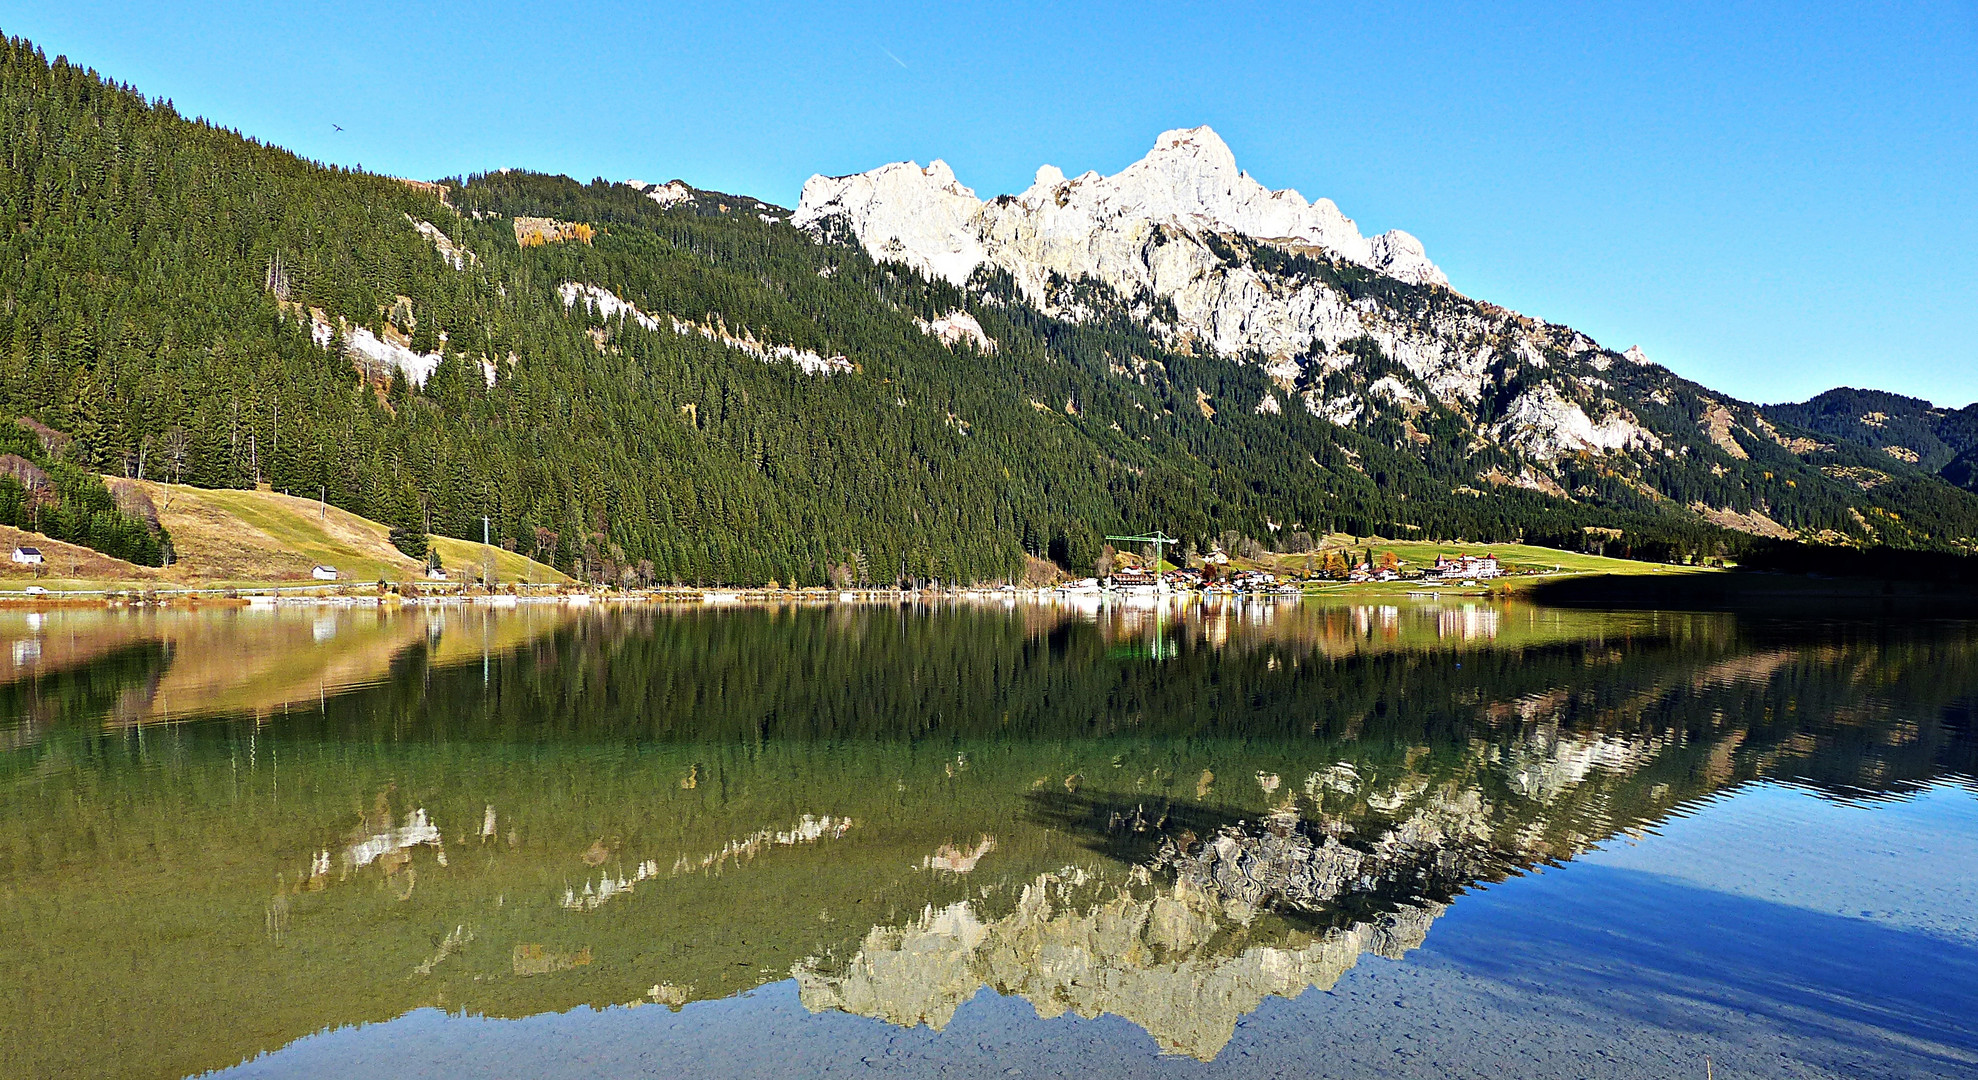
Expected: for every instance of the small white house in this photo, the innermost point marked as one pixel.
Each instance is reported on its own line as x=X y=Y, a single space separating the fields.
x=28 y=556
x=324 y=573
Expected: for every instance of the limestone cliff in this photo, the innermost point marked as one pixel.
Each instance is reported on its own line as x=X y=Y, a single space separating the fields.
x=1359 y=329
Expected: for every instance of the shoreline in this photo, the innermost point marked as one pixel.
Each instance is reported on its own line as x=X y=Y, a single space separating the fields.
x=1654 y=587
x=120 y=595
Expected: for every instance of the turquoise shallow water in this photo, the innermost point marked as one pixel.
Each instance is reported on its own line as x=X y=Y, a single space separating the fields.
x=1289 y=840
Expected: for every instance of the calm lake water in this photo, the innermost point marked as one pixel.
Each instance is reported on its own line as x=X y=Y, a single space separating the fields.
x=1290 y=839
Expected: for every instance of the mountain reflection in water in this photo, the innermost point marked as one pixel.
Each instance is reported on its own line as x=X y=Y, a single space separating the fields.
x=270 y=829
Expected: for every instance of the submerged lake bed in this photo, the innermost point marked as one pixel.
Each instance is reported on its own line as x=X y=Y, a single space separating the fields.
x=1299 y=838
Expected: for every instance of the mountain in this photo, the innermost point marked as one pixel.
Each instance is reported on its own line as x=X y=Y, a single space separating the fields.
x=1364 y=333
x=653 y=382
x=1091 y=224
x=1909 y=430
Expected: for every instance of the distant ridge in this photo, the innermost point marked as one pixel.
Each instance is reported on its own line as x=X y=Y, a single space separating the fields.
x=1910 y=431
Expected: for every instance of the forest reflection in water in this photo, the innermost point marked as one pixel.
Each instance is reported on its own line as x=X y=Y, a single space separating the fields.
x=280 y=822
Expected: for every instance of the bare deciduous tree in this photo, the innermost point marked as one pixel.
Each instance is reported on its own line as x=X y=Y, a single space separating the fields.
x=177 y=446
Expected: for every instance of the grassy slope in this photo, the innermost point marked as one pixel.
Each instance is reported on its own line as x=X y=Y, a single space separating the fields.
x=1416 y=554
x=231 y=537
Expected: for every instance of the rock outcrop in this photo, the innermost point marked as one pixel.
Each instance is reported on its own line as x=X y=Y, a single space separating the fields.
x=1214 y=260
x=1189 y=180
x=608 y=306
x=1364 y=333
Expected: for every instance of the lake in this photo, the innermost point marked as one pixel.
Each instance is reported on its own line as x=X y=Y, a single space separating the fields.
x=987 y=838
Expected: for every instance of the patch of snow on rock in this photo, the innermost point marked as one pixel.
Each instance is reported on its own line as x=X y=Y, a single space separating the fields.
x=417 y=366
x=1269 y=406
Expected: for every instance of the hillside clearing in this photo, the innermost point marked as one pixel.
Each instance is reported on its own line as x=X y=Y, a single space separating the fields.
x=231 y=537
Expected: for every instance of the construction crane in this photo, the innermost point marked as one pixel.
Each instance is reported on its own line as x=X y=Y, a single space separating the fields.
x=1159 y=539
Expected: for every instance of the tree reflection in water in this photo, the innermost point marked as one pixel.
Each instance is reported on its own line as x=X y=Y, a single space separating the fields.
x=516 y=813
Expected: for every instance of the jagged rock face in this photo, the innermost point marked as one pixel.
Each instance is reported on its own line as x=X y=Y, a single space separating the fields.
x=1546 y=425
x=1088 y=224
x=1197 y=248
x=1363 y=333
x=1148 y=232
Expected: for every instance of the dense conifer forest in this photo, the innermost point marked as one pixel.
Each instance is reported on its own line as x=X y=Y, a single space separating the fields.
x=1909 y=430
x=160 y=279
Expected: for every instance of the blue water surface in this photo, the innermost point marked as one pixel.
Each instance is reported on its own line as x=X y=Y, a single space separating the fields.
x=1769 y=932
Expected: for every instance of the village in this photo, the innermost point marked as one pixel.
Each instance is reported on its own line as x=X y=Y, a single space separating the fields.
x=1217 y=574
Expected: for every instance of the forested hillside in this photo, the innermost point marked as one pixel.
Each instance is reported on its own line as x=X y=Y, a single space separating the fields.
x=191 y=305
x=1910 y=431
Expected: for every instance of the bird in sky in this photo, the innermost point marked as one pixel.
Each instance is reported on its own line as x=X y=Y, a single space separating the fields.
x=339 y=127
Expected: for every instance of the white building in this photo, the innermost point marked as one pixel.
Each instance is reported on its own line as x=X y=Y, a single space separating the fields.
x=28 y=556
x=1468 y=567
x=324 y=573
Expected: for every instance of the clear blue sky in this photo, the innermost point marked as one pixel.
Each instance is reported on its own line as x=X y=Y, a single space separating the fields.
x=1771 y=199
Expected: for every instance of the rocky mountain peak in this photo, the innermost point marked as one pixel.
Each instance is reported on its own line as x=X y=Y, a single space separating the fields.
x=1189 y=179
x=1198 y=143
x=944 y=178
x=1359 y=331
x=1195 y=166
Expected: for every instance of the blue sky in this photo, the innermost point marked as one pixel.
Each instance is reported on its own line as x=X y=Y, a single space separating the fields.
x=1771 y=199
